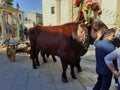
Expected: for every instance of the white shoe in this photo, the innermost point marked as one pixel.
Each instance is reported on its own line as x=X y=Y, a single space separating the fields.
x=89 y=88
x=116 y=85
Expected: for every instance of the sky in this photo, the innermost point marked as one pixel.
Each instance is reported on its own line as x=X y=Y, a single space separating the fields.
x=28 y=6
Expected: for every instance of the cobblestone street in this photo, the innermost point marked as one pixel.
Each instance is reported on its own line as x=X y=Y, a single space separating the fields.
x=21 y=72
x=20 y=75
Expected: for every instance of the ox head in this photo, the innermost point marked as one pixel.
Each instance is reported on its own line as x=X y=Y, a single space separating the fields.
x=95 y=26
x=86 y=34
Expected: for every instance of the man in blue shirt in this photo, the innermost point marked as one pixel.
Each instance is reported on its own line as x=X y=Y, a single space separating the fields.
x=102 y=48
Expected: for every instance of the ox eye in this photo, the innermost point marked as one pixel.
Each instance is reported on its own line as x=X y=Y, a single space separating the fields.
x=113 y=35
x=96 y=29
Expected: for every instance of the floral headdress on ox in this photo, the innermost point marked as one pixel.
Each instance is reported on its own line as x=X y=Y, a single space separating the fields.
x=93 y=5
x=89 y=8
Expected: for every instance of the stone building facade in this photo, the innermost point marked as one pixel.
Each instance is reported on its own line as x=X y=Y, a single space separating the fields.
x=57 y=12
x=32 y=19
x=10 y=18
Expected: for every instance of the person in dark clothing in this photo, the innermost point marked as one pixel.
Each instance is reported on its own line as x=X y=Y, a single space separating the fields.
x=117 y=44
x=116 y=66
x=26 y=32
x=21 y=30
x=102 y=48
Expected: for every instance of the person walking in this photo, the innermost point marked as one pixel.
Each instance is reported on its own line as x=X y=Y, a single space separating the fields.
x=109 y=58
x=117 y=44
x=21 y=30
x=102 y=48
x=26 y=32
x=117 y=38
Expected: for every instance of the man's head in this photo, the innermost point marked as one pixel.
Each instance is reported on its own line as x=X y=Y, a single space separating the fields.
x=109 y=34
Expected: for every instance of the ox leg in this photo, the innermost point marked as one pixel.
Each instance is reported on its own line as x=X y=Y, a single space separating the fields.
x=64 y=67
x=72 y=72
x=54 y=59
x=43 y=56
x=32 y=56
x=37 y=61
x=79 y=69
x=34 y=63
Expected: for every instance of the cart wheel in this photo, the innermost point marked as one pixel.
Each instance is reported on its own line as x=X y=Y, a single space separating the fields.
x=10 y=54
x=28 y=50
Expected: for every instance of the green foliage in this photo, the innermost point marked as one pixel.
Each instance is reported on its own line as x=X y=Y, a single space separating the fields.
x=9 y=2
x=41 y=21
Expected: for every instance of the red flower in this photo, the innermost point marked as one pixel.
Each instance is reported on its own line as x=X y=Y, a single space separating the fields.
x=88 y=4
x=77 y=3
x=95 y=6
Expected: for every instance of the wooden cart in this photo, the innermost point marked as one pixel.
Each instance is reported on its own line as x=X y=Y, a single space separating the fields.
x=16 y=47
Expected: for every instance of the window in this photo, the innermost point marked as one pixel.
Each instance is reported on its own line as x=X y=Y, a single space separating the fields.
x=52 y=10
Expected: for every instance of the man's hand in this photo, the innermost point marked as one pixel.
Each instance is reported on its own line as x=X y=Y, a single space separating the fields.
x=117 y=74
x=99 y=35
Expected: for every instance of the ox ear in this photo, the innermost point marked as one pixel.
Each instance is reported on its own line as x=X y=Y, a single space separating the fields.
x=82 y=34
x=76 y=34
x=79 y=29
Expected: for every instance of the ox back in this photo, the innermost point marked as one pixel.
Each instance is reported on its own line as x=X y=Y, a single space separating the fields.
x=57 y=44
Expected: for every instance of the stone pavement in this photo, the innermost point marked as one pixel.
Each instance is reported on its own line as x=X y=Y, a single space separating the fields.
x=20 y=75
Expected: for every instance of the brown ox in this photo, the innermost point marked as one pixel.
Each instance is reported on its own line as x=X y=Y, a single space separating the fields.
x=65 y=46
x=65 y=41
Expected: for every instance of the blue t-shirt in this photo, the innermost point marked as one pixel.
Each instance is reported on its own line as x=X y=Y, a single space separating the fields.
x=102 y=48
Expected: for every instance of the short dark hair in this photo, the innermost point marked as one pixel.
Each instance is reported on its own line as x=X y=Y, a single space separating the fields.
x=109 y=31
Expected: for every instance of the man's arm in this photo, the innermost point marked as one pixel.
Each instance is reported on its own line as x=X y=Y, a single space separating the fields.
x=109 y=62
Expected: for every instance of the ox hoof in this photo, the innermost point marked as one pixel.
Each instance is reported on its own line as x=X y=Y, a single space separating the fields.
x=64 y=80
x=45 y=61
x=34 y=67
x=74 y=77
x=55 y=61
x=79 y=70
x=38 y=64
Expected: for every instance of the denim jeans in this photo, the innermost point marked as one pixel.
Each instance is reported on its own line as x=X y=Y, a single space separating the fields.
x=103 y=82
x=118 y=86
